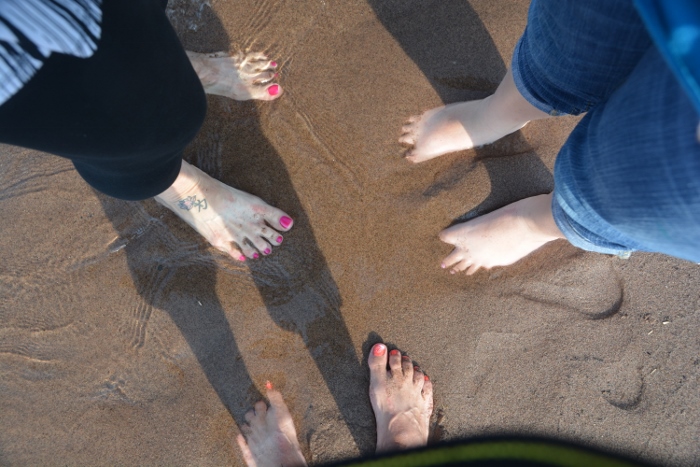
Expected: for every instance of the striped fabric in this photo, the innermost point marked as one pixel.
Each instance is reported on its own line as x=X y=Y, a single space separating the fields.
x=31 y=30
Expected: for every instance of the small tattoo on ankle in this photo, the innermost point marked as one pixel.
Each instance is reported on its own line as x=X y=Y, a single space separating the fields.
x=192 y=202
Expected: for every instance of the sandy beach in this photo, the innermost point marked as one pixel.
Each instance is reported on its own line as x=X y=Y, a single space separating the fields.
x=126 y=339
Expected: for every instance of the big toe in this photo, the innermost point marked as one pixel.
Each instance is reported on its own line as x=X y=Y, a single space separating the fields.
x=377 y=364
x=267 y=92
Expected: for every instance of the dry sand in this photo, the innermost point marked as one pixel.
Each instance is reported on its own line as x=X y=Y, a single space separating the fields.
x=125 y=339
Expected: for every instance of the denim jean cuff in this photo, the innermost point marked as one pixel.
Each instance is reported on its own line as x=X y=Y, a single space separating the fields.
x=520 y=83
x=576 y=235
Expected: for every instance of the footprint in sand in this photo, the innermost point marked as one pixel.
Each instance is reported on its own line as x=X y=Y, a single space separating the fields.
x=582 y=282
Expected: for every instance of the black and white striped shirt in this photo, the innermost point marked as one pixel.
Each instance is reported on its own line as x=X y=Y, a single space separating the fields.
x=31 y=30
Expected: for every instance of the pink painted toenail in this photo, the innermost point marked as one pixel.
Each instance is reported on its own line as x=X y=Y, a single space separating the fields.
x=443 y=266
x=279 y=239
x=268 y=385
x=241 y=258
x=256 y=256
x=379 y=350
x=277 y=75
x=394 y=352
x=285 y=221
x=273 y=64
x=267 y=251
x=273 y=90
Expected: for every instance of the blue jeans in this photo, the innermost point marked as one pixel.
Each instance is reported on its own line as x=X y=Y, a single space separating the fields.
x=628 y=177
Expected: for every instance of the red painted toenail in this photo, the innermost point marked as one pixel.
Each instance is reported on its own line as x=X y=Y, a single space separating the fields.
x=394 y=352
x=267 y=251
x=256 y=256
x=279 y=239
x=425 y=377
x=416 y=368
x=285 y=221
x=268 y=385
x=379 y=350
x=241 y=258
x=405 y=357
x=274 y=90
x=273 y=64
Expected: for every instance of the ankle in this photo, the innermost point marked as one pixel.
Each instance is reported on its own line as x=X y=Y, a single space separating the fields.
x=186 y=183
x=538 y=214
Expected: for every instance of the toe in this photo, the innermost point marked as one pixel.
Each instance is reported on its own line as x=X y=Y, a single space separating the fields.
x=395 y=362
x=461 y=266
x=267 y=92
x=247 y=455
x=264 y=78
x=377 y=364
x=273 y=91
x=413 y=118
x=231 y=250
x=377 y=358
x=248 y=251
x=472 y=269
x=407 y=366
x=270 y=234
x=260 y=409
x=260 y=243
x=449 y=234
x=427 y=389
x=407 y=139
x=281 y=222
x=418 y=376
x=249 y=416
x=455 y=257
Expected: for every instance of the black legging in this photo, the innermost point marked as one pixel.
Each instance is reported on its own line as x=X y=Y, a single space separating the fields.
x=124 y=115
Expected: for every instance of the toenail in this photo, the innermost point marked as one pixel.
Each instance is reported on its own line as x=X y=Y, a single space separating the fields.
x=443 y=266
x=256 y=256
x=279 y=239
x=394 y=352
x=379 y=350
x=268 y=385
x=273 y=64
x=267 y=251
x=416 y=368
x=284 y=220
x=425 y=377
x=277 y=75
x=405 y=357
x=273 y=90
x=241 y=258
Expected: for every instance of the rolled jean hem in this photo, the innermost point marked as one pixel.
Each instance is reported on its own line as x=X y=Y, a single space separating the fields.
x=519 y=79
x=576 y=238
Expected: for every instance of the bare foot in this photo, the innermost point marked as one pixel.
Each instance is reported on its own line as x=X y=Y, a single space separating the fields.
x=466 y=125
x=240 y=76
x=501 y=237
x=270 y=439
x=233 y=221
x=402 y=400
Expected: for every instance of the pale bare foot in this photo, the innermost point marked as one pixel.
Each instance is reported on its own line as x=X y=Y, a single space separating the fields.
x=402 y=400
x=239 y=76
x=234 y=222
x=501 y=237
x=466 y=125
x=269 y=438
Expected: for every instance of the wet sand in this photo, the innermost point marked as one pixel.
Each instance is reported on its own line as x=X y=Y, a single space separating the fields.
x=125 y=339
